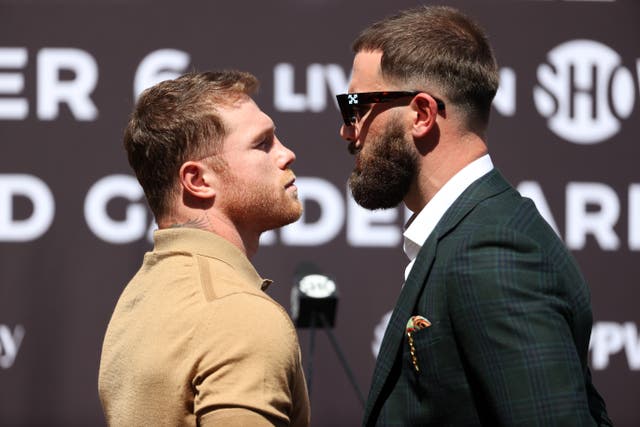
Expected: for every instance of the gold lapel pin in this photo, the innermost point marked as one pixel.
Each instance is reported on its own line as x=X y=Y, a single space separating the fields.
x=415 y=323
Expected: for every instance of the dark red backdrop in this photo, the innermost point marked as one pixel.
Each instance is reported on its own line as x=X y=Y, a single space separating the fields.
x=73 y=226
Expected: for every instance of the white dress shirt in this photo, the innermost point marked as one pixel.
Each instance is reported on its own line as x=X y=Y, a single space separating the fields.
x=422 y=224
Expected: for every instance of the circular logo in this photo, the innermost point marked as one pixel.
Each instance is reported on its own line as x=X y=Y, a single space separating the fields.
x=584 y=91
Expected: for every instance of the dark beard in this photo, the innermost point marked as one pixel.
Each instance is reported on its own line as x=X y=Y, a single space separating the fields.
x=386 y=173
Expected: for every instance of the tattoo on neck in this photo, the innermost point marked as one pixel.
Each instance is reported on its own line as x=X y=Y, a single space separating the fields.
x=200 y=223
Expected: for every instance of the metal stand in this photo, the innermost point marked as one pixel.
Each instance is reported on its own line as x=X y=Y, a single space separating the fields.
x=323 y=324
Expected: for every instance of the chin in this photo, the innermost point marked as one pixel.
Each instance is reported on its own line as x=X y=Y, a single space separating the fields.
x=285 y=216
x=296 y=212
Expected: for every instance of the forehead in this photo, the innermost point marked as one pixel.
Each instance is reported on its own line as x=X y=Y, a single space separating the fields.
x=366 y=75
x=244 y=120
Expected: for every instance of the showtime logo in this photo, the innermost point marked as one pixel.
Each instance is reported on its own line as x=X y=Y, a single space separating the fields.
x=585 y=91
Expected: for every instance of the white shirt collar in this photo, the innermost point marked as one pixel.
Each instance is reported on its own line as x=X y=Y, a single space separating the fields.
x=422 y=224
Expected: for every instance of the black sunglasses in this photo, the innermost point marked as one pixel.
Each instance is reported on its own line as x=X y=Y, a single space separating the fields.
x=351 y=103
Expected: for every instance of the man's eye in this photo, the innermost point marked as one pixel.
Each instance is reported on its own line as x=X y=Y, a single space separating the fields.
x=360 y=110
x=265 y=143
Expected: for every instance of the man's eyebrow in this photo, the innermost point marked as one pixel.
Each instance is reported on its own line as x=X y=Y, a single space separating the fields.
x=269 y=131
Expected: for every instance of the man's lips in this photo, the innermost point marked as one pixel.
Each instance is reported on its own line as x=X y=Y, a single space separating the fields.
x=290 y=183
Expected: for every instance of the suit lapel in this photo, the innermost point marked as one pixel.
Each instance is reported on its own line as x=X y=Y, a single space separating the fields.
x=396 y=328
x=485 y=187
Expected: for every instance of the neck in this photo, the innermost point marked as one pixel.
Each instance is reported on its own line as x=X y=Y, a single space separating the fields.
x=439 y=165
x=247 y=242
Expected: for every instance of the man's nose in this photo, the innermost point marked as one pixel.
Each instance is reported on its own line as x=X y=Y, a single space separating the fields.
x=286 y=155
x=348 y=133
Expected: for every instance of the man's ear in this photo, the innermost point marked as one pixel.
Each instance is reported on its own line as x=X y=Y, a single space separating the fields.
x=425 y=111
x=197 y=180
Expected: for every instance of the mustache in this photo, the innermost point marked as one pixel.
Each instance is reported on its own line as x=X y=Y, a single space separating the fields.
x=352 y=148
x=289 y=177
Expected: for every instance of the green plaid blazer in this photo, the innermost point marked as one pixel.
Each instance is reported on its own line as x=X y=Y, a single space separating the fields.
x=510 y=324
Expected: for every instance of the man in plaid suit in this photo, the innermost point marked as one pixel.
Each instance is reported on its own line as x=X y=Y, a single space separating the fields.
x=493 y=322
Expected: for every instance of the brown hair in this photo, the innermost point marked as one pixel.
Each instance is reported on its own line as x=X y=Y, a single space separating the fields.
x=175 y=121
x=437 y=48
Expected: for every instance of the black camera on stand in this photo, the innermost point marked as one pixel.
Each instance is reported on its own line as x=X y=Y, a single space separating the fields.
x=314 y=303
